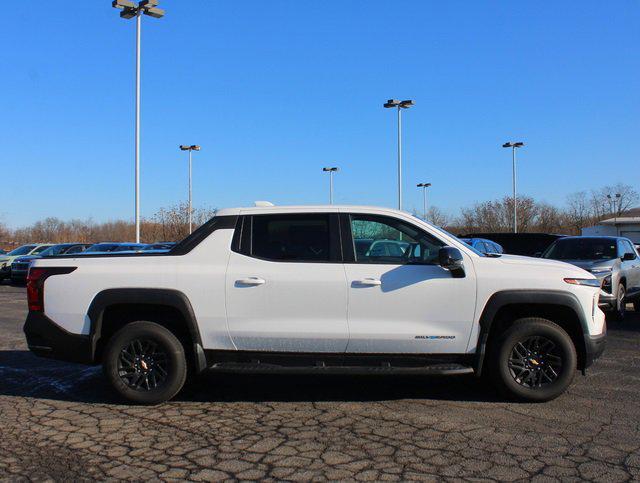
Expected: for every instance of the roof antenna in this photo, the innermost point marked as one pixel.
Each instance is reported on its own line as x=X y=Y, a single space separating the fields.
x=263 y=204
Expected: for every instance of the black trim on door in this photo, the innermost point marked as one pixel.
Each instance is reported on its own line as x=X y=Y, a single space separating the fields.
x=193 y=240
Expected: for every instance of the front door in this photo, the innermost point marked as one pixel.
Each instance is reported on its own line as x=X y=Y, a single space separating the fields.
x=286 y=286
x=400 y=299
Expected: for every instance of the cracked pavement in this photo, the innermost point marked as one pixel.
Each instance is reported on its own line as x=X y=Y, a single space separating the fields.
x=60 y=421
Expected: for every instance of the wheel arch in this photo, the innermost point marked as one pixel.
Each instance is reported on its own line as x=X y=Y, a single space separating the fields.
x=113 y=308
x=503 y=308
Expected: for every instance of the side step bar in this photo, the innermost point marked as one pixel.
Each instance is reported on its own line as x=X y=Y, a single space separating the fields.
x=266 y=368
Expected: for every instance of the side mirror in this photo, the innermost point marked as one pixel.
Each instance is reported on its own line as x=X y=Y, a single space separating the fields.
x=451 y=259
x=628 y=256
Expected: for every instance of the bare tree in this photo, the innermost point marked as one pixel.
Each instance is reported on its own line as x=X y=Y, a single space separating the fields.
x=580 y=211
x=435 y=216
x=438 y=217
x=600 y=199
x=497 y=216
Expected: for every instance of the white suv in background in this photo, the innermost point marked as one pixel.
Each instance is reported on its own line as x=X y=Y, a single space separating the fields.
x=326 y=289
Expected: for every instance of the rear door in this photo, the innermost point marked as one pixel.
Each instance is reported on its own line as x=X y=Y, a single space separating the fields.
x=285 y=284
x=400 y=299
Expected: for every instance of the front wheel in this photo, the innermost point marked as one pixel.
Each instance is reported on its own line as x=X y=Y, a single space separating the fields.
x=145 y=363
x=534 y=360
x=621 y=303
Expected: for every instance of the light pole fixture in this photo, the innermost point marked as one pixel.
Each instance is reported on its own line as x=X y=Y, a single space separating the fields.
x=616 y=206
x=399 y=105
x=131 y=10
x=191 y=148
x=424 y=187
x=330 y=171
x=514 y=146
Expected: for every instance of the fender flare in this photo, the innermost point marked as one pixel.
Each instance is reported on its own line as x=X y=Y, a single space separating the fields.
x=148 y=296
x=512 y=297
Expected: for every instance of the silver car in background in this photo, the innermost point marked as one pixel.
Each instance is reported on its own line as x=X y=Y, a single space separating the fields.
x=614 y=260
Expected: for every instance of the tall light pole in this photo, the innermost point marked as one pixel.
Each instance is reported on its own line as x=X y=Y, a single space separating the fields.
x=191 y=148
x=514 y=146
x=131 y=10
x=615 y=201
x=424 y=187
x=330 y=171
x=399 y=105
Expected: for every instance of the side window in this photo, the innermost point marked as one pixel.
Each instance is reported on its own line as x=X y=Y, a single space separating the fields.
x=301 y=238
x=385 y=240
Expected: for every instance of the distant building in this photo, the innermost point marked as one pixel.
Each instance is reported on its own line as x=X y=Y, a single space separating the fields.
x=627 y=224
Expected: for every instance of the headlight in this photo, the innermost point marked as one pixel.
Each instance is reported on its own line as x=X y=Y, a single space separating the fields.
x=587 y=282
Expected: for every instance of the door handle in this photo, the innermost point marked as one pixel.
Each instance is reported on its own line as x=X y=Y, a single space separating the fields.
x=369 y=282
x=251 y=281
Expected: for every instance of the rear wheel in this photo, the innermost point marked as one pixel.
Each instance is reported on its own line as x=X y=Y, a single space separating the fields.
x=145 y=363
x=535 y=360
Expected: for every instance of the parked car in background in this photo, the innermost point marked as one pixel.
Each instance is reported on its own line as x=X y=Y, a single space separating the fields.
x=2 y=252
x=112 y=247
x=483 y=245
x=7 y=259
x=614 y=260
x=20 y=265
x=528 y=244
x=159 y=246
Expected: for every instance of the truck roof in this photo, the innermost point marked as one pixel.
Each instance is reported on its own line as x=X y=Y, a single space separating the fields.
x=307 y=209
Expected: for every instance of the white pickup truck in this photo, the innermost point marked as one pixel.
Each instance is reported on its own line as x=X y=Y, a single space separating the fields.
x=327 y=289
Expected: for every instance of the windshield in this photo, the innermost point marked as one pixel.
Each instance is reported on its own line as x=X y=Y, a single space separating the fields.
x=127 y=248
x=582 y=249
x=159 y=246
x=23 y=250
x=102 y=247
x=54 y=250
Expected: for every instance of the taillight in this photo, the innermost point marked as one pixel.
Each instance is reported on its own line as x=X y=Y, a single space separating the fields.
x=35 y=284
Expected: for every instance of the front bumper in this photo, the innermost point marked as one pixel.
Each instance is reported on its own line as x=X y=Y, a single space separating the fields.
x=606 y=300
x=45 y=338
x=594 y=347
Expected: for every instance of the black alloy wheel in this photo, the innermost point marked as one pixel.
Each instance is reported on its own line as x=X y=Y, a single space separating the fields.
x=143 y=365
x=532 y=359
x=535 y=362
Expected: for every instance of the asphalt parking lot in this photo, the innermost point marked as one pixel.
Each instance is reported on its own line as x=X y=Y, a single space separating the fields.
x=59 y=421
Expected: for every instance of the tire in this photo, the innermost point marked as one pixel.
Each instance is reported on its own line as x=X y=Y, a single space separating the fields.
x=145 y=363
x=621 y=305
x=530 y=377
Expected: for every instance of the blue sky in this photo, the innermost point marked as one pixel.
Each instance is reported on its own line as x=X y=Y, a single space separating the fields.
x=275 y=90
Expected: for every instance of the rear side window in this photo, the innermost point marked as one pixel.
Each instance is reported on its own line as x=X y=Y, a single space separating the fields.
x=292 y=238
